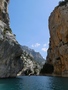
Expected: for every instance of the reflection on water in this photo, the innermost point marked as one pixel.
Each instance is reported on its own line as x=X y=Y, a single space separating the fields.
x=34 y=83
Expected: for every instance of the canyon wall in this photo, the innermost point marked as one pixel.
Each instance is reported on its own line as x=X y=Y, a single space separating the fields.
x=58 y=46
x=13 y=59
x=10 y=50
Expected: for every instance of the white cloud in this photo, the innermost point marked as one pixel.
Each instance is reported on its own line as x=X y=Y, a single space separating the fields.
x=35 y=45
x=44 y=49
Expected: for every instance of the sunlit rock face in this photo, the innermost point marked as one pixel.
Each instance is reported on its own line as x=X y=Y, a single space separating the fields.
x=10 y=50
x=30 y=66
x=4 y=11
x=13 y=60
x=58 y=47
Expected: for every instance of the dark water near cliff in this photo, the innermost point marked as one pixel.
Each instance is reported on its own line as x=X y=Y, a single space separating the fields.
x=34 y=83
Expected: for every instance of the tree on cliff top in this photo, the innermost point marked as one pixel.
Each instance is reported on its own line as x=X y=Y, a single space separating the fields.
x=61 y=3
x=66 y=0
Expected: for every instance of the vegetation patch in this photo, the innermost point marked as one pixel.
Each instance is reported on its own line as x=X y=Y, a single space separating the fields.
x=7 y=29
x=61 y=3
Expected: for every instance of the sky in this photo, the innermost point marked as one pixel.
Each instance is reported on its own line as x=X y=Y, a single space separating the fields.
x=29 y=22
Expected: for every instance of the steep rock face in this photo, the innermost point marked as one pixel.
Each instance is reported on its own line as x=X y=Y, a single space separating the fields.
x=10 y=50
x=13 y=60
x=36 y=55
x=4 y=11
x=30 y=67
x=58 y=47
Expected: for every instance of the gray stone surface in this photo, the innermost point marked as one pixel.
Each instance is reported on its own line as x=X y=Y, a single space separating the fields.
x=13 y=60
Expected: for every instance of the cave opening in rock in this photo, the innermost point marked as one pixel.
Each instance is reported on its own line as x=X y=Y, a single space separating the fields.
x=47 y=69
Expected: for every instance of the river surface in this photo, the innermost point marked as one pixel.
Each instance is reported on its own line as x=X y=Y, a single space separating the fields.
x=34 y=83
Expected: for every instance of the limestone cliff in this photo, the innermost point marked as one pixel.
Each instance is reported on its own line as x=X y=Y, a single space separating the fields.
x=36 y=55
x=30 y=66
x=58 y=47
x=10 y=51
x=4 y=11
x=12 y=57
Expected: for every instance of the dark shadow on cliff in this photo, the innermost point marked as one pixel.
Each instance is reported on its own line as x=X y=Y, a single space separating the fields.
x=47 y=69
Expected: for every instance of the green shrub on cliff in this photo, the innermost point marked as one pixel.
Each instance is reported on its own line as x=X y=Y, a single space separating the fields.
x=6 y=29
x=61 y=3
x=66 y=0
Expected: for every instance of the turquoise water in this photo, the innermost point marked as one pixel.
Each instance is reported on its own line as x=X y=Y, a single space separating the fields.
x=34 y=83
